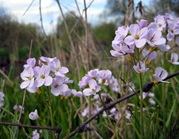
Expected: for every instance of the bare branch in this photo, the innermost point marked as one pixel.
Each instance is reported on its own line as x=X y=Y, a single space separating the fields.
x=41 y=20
x=7 y=78
x=69 y=37
x=28 y=7
x=88 y=5
x=58 y=130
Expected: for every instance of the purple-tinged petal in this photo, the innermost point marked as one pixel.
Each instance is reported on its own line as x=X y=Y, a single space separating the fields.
x=152 y=55
x=134 y=29
x=160 y=74
x=140 y=43
x=160 y=41
x=32 y=89
x=116 y=47
x=24 y=84
x=143 y=32
x=64 y=70
x=48 y=81
x=170 y=36
x=129 y=40
x=164 y=47
x=115 y=53
x=142 y=23
x=39 y=82
x=88 y=92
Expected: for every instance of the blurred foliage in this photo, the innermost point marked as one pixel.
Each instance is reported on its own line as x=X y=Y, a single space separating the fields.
x=163 y=6
x=16 y=38
x=15 y=41
x=75 y=26
x=105 y=32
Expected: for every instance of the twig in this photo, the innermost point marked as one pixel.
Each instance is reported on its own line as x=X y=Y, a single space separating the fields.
x=7 y=78
x=69 y=37
x=23 y=101
x=28 y=7
x=58 y=130
x=88 y=55
x=78 y=8
x=30 y=51
x=41 y=20
x=110 y=105
x=88 y=5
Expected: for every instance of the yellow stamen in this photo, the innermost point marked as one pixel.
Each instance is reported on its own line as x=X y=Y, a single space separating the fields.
x=39 y=118
x=39 y=91
x=129 y=58
x=148 y=62
x=155 y=81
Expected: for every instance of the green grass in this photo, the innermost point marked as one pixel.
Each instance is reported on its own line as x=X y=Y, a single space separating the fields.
x=159 y=121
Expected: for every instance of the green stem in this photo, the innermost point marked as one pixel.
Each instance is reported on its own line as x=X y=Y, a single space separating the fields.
x=7 y=111
x=164 y=109
x=50 y=109
x=141 y=107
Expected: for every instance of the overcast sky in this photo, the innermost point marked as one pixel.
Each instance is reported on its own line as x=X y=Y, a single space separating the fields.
x=50 y=10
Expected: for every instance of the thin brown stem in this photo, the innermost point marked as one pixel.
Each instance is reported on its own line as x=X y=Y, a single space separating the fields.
x=69 y=37
x=58 y=130
x=7 y=78
x=28 y=7
x=41 y=19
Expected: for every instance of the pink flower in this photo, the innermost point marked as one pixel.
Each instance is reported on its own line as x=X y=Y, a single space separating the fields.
x=137 y=37
x=42 y=76
x=58 y=87
x=28 y=76
x=154 y=37
x=161 y=22
x=30 y=63
x=149 y=56
x=174 y=59
x=19 y=108
x=46 y=61
x=58 y=69
x=160 y=74
x=93 y=88
x=36 y=134
x=34 y=115
x=140 y=67
x=1 y=99
x=76 y=93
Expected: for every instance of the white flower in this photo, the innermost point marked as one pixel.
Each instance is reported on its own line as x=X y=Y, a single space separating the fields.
x=160 y=74
x=140 y=67
x=174 y=59
x=36 y=134
x=34 y=115
x=152 y=101
x=1 y=99
x=28 y=78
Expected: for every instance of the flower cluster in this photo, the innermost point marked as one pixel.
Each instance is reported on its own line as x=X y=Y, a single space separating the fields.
x=1 y=99
x=97 y=105
x=150 y=37
x=19 y=108
x=142 y=34
x=95 y=79
x=36 y=134
x=150 y=97
x=48 y=72
x=99 y=99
